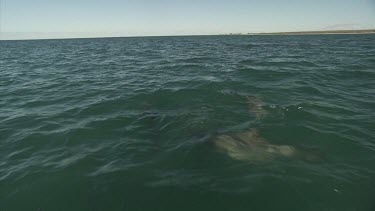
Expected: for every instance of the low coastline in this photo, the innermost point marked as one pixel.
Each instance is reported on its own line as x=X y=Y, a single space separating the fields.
x=367 y=31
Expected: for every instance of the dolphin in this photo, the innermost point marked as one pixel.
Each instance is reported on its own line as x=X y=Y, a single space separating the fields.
x=250 y=146
x=256 y=106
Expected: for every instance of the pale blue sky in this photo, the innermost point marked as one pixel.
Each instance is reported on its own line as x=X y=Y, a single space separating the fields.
x=90 y=18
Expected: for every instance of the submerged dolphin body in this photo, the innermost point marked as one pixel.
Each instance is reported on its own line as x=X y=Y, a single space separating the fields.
x=256 y=106
x=249 y=146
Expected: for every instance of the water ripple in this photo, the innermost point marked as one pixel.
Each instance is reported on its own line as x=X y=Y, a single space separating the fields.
x=134 y=118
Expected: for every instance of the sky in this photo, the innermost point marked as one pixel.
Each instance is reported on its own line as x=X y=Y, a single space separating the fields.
x=33 y=19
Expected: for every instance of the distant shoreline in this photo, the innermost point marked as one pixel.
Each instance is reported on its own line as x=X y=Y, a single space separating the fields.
x=367 y=31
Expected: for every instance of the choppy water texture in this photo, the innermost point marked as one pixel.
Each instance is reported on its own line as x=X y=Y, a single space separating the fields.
x=127 y=123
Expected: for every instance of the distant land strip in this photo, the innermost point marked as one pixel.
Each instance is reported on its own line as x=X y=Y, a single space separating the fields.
x=367 y=31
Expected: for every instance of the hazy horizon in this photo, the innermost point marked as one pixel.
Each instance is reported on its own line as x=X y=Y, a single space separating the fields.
x=42 y=19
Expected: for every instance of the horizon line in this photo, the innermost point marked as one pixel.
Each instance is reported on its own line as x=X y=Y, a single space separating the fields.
x=314 y=32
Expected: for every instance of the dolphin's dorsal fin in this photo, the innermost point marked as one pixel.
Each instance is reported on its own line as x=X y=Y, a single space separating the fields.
x=251 y=137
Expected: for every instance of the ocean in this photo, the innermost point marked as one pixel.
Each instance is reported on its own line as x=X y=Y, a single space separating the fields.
x=130 y=123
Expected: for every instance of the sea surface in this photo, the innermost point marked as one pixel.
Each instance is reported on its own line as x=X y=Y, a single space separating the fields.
x=128 y=123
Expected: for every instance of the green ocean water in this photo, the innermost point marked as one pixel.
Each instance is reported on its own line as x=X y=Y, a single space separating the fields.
x=128 y=123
